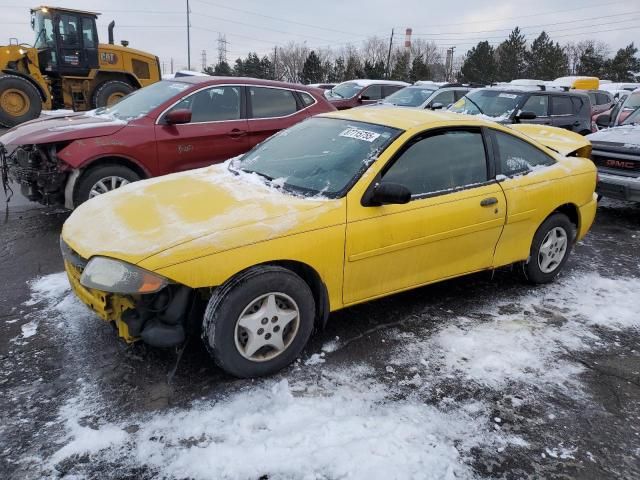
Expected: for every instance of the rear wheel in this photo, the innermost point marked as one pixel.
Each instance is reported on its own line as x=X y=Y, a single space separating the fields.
x=20 y=101
x=110 y=92
x=550 y=249
x=102 y=179
x=259 y=321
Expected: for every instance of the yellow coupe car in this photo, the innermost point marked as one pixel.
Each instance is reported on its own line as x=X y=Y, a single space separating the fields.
x=340 y=209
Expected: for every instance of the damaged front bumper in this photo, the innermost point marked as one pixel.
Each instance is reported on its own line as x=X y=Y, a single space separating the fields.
x=161 y=319
x=35 y=168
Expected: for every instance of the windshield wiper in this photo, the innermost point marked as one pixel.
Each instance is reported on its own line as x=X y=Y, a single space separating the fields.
x=263 y=175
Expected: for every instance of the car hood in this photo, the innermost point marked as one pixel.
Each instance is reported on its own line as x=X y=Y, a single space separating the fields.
x=562 y=141
x=623 y=135
x=167 y=220
x=54 y=128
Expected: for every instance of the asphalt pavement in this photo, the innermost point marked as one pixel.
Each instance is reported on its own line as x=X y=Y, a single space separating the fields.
x=65 y=375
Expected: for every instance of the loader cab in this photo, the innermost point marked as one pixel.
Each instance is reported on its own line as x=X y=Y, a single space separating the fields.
x=66 y=40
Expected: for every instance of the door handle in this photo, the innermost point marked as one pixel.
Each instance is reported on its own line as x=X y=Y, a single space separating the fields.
x=236 y=133
x=487 y=202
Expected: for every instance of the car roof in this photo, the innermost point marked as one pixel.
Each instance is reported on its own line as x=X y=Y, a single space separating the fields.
x=213 y=80
x=366 y=82
x=404 y=118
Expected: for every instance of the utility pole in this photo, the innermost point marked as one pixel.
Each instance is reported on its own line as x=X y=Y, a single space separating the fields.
x=275 y=63
x=171 y=64
x=188 y=38
x=389 y=54
x=204 y=60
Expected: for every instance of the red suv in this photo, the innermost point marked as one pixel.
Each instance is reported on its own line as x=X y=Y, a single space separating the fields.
x=355 y=93
x=173 y=125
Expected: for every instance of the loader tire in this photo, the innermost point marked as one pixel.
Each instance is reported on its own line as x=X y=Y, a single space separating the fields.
x=110 y=92
x=20 y=101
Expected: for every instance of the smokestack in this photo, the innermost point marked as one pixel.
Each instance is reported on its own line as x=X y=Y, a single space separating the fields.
x=111 y=25
x=407 y=38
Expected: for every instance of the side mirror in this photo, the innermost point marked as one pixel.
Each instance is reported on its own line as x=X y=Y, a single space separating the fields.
x=526 y=115
x=178 y=116
x=437 y=106
x=364 y=97
x=389 y=193
x=603 y=120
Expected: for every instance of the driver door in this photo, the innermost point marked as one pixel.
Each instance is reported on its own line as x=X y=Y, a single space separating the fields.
x=450 y=227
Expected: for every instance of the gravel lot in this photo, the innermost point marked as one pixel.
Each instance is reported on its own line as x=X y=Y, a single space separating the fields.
x=481 y=377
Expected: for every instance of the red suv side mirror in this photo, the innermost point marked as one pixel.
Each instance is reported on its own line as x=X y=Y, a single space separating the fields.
x=179 y=116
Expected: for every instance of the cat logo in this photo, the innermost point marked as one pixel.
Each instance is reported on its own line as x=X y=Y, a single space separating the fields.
x=108 y=57
x=620 y=164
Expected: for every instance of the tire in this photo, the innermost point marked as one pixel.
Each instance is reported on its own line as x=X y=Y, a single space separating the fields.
x=550 y=249
x=223 y=334
x=20 y=101
x=88 y=184
x=105 y=93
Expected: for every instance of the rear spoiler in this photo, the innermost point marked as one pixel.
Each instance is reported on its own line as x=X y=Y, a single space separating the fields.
x=565 y=142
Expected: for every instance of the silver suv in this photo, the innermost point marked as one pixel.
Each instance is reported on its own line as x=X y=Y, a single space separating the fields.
x=427 y=95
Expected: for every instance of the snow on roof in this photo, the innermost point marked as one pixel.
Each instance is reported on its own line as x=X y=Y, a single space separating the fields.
x=619 y=86
x=527 y=82
x=367 y=82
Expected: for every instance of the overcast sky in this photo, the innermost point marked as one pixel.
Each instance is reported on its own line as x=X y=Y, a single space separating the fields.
x=159 y=26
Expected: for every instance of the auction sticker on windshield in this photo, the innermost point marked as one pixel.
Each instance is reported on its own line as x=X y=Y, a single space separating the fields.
x=359 y=134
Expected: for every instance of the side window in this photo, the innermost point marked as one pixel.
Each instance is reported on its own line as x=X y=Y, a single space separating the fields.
x=272 y=102
x=445 y=98
x=88 y=35
x=389 y=89
x=69 y=30
x=373 y=92
x=460 y=93
x=577 y=104
x=603 y=99
x=213 y=105
x=561 y=105
x=517 y=156
x=441 y=162
x=307 y=100
x=538 y=104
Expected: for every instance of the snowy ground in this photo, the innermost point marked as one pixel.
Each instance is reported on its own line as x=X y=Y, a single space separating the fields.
x=476 y=378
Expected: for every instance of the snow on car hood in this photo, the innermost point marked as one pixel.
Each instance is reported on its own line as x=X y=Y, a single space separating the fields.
x=203 y=211
x=626 y=135
x=54 y=128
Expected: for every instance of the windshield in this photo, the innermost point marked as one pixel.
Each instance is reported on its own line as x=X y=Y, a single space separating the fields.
x=346 y=90
x=493 y=103
x=410 y=96
x=43 y=28
x=634 y=118
x=318 y=156
x=141 y=102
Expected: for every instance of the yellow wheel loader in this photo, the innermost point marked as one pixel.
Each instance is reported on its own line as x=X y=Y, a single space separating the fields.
x=68 y=68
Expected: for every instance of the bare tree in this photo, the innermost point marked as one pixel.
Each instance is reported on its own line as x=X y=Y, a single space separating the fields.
x=575 y=50
x=290 y=61
x=429 y=50
x=374 y=49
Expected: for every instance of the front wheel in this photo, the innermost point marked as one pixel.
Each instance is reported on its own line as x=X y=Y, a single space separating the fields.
x=259 y=321
x=550 y=249
x=102 y=179
x=20 y=101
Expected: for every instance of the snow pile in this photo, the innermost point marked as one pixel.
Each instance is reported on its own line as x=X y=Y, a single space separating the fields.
x=530 y=340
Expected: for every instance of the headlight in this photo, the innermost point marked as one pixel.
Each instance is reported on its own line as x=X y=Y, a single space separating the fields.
x=115 y=276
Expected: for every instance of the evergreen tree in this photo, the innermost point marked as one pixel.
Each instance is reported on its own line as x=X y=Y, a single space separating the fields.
x=419 y=70
x=401 y=68
x=621 y=67
x=238 y=68
x=221 y=69
x=338 y=71
x=251 y=66
x=266 y=69
x=511 y=55
x=480 y=64
x=312 y=69
x=353 y=69
x=546 y=60
x=591 y=63
x=374 y=71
